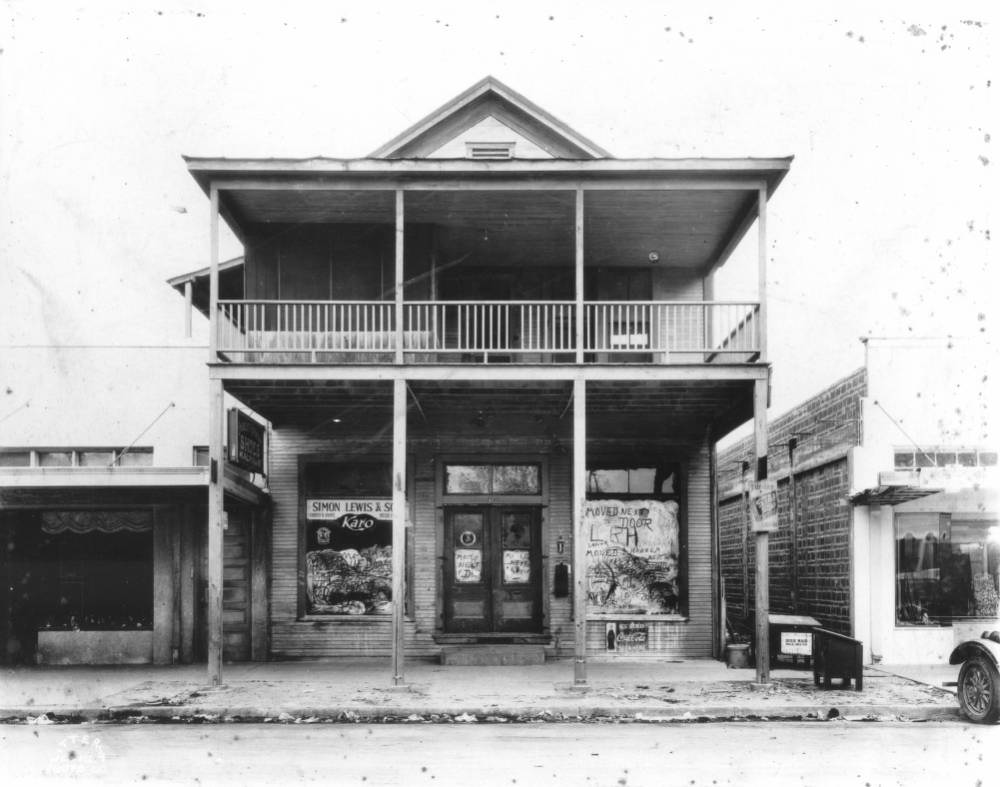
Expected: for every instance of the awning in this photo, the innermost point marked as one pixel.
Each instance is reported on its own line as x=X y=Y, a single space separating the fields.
x=891 y=495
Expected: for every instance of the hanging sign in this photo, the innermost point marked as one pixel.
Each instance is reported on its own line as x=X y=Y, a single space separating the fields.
x=246 y=442
x=764 y=506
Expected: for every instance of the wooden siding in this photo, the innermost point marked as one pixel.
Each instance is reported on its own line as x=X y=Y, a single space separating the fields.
x=315 y=637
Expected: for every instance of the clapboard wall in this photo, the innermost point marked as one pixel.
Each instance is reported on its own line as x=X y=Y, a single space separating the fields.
x=293 y=636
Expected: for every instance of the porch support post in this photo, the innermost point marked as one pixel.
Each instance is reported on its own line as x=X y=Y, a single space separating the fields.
x=579 y=276
x=398 y=289
x=398 y=527
x=762 y=580
x=188 y=311
x=762 y=269
x=579 y=532
x=216 y=516
x=213 y=276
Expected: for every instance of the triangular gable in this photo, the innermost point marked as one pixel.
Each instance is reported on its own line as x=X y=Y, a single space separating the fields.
x=490 y=106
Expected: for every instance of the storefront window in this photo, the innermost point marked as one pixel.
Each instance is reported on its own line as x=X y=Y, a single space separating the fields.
x=632 y=518
x=946 y=568
x=348 y=538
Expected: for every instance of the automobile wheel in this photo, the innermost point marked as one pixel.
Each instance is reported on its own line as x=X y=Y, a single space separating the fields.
x=979 y=690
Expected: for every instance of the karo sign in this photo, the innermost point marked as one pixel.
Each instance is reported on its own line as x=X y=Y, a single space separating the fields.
x=764 y=506
x=246 y=442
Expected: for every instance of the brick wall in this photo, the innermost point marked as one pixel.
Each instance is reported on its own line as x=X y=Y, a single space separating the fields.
x=827 y=426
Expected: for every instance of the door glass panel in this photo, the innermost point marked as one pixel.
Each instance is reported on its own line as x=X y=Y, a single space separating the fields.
x=468 y=536
x=516 y=529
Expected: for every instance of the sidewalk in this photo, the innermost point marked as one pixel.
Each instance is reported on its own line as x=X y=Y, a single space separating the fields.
x=361 y=691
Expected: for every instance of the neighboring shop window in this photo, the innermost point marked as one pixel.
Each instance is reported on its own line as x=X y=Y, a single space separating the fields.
x=82 y=570
x=78 y=457
x=493 y=479
x=348 y=538
x=632 y=521
x=946 y=568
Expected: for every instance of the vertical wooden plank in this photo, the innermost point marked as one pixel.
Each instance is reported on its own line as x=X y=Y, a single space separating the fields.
x=216 y=516
x=718 y=600
x=400 y=236
x=176 y=579
x=398 y=526
x=163 y=587
x=761 y=575
x=213 y=275
x=762 y=267
x=579 y=534
x=579 y=276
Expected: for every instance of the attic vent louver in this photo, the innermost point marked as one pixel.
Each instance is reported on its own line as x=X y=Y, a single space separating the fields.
x=490 y=151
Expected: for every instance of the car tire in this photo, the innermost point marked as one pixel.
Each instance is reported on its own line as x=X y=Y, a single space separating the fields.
x=979 y=690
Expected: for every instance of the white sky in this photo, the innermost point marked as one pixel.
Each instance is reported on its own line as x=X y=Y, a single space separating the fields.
x=882 y=226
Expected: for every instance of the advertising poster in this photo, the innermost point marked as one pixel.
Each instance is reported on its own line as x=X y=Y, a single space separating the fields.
x=633 y=557
x=348 y=556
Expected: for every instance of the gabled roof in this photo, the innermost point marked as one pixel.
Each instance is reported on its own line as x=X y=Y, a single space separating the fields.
x=490 y=98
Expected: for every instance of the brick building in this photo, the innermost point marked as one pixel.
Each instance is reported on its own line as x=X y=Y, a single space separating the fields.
x=889 y=531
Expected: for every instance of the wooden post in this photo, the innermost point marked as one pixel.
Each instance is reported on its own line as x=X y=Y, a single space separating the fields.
x=762 y=646
x=580 y=535
x=398 y=527
x=579 y=334
x=213 y=276
x=188 y=310
x=399 y=277
x=216 y=518
x=762 y=267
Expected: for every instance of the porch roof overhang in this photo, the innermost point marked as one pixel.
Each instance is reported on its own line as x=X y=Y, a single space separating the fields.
x=680 y=409
x=133 y=485
x=692 y=211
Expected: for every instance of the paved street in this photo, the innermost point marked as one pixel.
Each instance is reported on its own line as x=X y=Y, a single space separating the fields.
x=816 y=753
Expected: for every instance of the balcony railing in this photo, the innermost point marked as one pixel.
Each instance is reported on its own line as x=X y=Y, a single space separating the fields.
x=487 y=331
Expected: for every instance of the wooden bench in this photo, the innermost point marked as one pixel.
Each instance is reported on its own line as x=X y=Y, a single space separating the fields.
x=836 y=656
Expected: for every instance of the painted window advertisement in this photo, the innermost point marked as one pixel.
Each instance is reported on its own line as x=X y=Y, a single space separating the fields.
x=633 y=557
x=348 y=556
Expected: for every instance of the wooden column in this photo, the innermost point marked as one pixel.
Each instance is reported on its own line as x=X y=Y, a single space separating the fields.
x=398 y=528
x=762 y=267
x=188 y=310
x=216 y=518
x=213 y=276
x=398 y=288
x=579 y=532
x=259 y=539
x=187 y=583
x=163 y=586
x=762 y=645
x=579 y=334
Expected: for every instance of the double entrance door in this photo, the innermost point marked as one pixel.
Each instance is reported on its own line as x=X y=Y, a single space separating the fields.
x=492 y=570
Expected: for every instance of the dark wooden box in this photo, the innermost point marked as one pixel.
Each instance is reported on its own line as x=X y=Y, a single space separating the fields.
x=836 y=656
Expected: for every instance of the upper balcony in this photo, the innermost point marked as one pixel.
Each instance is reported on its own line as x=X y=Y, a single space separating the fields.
x=480 y=262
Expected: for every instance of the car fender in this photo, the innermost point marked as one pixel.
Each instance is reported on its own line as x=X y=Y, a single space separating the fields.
x=976 y=647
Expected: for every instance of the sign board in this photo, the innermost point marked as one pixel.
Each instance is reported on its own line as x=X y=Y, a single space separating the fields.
x=516 y=566
x=348 y=556
x=796 y=643
x=633 y=557
x=468 y=565
x=627 y=636
x=764 y=506
x=246 y=442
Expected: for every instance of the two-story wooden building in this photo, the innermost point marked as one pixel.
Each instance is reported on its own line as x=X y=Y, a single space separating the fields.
x=494 y=370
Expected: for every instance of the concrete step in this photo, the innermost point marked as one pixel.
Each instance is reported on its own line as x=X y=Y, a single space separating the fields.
x=492 y=655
